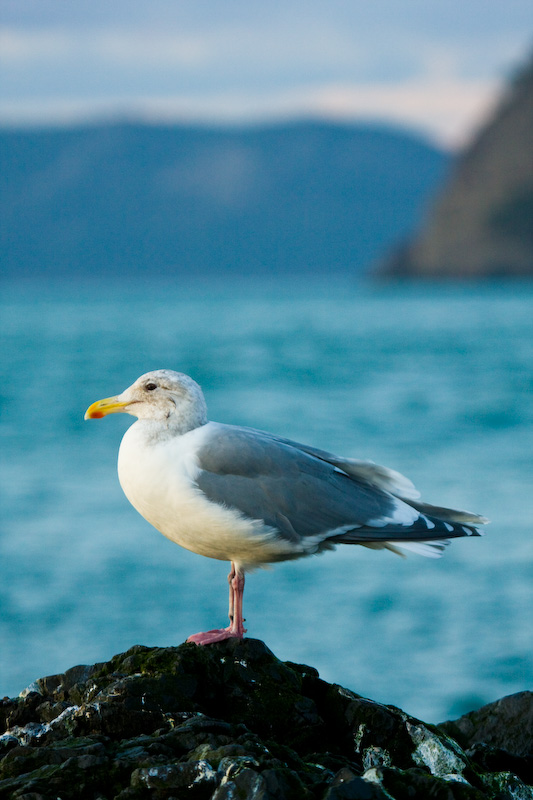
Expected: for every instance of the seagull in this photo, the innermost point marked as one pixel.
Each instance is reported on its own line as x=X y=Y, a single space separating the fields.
x=253 y=498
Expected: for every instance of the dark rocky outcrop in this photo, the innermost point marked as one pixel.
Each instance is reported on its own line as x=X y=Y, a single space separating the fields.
x=231 y=721
x=481 y=225
x=499 y=735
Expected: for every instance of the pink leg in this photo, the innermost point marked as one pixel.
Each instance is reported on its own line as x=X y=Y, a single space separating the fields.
x=231 y=578
x=236 y=629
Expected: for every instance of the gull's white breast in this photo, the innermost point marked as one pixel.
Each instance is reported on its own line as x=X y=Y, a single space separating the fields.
x=158 y=475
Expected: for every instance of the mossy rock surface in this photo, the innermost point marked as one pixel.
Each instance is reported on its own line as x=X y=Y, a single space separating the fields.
x=232 y=721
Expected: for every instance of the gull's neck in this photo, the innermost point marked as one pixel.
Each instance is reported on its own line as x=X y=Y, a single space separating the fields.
x=156 y=430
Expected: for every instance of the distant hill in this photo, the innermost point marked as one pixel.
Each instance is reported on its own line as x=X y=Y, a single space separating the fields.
x=482 y=223
x=132 y=198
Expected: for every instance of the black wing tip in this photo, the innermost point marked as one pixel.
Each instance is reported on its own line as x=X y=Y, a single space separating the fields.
x=454 y=530
x=469 y=530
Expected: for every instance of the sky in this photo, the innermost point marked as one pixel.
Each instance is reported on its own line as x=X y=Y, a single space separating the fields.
x=434 y=66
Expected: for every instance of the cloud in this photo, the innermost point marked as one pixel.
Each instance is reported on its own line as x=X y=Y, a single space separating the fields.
x=238 y=71
x=241 y=50
x=445 y=111
x=23 y=48
x=108 y=48
x=151 y=47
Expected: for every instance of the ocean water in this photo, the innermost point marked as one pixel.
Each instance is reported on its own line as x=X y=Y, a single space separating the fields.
x=435 y=381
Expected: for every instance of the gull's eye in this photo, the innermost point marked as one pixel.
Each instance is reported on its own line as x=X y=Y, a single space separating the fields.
x=150 y=387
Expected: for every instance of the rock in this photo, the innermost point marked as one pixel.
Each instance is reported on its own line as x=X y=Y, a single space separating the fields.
x=506 y=724
x=231 y=721
x=499 y=736
x=481 y=224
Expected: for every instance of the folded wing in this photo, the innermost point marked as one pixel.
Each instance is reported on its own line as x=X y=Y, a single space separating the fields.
x=316 y=500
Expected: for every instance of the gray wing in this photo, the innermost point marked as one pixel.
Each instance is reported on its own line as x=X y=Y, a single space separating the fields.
x=380 y=477
x=301 y=494
x=389 y=481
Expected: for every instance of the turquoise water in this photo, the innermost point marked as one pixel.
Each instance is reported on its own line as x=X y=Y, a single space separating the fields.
x=433 y=381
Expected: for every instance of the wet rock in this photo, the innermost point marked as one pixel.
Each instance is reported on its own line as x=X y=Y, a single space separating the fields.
x=506 y=724
x=231 y=721
x=507 y=786
x=495 y=759
x=198 y=777
x=499 y=736
x=417 y=783
x=347 y=786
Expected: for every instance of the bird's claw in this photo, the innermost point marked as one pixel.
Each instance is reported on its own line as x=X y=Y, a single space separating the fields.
x=215 y=635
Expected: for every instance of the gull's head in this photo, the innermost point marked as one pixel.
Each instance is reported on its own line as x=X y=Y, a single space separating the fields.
x=162 y=395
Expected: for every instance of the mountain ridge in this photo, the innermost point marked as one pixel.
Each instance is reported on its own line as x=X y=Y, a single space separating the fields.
x=129 y=198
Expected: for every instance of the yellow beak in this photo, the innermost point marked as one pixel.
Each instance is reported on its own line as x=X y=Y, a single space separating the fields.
x=109 y=405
